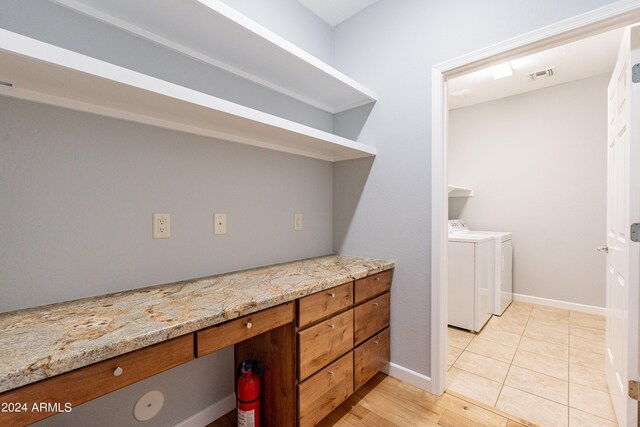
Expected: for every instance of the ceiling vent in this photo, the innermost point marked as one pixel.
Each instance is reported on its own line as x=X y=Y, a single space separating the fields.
x=540 y=74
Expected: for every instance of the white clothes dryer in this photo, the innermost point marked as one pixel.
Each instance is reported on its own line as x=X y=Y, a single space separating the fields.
x=502 y=280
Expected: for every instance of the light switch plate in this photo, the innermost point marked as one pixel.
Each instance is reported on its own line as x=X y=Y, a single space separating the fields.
x=297 y=221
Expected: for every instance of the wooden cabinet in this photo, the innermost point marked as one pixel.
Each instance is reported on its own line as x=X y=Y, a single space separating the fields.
x=330 y=369
x=85 y=384
x=306 y=347
x=370 y=357
x=370 y=286
x=324 y=342
x=323 y=304
x=240 y=329
x=324 y=391
x=371 y=316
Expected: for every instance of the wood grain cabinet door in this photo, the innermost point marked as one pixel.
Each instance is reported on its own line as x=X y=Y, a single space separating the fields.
x=323 y=392
x=324 y=304
x=370 y=357
x=371 y=316
x=369 y=287
x=324 y=342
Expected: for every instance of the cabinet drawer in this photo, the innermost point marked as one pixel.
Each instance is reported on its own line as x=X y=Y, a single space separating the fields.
x=324 y=304
x=323 y=392
x=370 y=357
x=371 y=316
x=90 y=382
x=324 y=342
x=371 y=286
x=245 y=327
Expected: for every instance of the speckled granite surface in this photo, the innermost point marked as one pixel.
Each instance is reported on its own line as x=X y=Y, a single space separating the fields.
x=41 y=342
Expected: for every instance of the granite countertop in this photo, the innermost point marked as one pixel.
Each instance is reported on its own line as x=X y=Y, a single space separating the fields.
x=41 y=342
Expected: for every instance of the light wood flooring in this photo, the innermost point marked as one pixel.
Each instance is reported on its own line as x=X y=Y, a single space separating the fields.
x=539 y=363
x=386 y=401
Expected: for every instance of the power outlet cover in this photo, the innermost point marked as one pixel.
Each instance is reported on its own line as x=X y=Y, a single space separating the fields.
x=297 y=221
x=161 y=226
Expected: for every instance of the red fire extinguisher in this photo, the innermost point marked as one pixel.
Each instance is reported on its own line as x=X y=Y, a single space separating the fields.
x=249 y=394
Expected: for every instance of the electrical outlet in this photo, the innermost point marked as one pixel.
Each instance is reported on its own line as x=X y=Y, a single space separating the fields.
x=161 y=226
x=219 y=223
x=297 y=221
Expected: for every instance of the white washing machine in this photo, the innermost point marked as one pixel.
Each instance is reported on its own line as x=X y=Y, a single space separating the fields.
x=470 y=273
x=502 y=280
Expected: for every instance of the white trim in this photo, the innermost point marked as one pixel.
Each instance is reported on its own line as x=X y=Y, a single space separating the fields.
x=408 y=376
x=611 y=16
x=592 y=309
x=210 y=413
x=439 y=215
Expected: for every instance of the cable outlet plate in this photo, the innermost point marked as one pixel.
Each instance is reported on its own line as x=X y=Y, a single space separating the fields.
x=219 y=223
x=297 y=222
x=161 y=226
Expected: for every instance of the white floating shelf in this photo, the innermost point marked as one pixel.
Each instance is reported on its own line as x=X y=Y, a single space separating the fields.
x=40 y=72
x=213 y=32
x=455 y=191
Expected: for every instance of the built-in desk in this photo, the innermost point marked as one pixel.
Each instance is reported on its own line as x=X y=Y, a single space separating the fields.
x=76 y=351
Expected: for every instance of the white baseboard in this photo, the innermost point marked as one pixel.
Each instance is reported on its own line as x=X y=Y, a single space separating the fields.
x=211 y=413
x=592 y=309
x=408 y=376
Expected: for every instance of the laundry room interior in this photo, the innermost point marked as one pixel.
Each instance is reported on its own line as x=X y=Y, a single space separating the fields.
x=527 y=210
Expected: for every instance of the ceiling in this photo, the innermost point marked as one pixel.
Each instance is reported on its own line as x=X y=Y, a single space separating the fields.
x=574 y=61
x=334 y=12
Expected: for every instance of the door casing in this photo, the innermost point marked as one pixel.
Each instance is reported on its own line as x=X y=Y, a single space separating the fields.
x=600 y=20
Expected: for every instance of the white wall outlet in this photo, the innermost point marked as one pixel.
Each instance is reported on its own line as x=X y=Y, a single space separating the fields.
x=161 y=226
x=219 y=223
x=297 y=221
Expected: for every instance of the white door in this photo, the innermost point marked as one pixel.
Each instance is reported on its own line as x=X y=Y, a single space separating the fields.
x=623 y=200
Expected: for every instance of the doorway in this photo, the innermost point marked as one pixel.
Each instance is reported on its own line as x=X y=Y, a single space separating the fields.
x=587 y=25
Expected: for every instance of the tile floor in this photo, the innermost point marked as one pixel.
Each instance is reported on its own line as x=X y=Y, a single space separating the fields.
x=541 y=364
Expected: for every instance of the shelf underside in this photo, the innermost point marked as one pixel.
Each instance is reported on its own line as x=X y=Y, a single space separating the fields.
x=43 y=73
x=213 y=32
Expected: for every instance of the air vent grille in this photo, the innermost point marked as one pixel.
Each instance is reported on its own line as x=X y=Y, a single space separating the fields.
x=542 y=73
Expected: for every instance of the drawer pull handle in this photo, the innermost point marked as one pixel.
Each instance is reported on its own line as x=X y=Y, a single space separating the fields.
x=330 y=373
x=118 y=371
x=377 y=279
x=249 y=325
x=376 y=342
x=376 y=304
x=332 y=295
x=331 y=326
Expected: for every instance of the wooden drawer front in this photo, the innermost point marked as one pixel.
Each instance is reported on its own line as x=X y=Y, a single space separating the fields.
x=371 y=286
x=245 y=327
x=371 y=316
x=324 y=342
x=327 y=389
x=93 y=381
x=370 y=357
x=324 y=304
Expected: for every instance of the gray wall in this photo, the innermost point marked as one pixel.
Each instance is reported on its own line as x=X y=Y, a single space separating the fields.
x=287 y=18
x=390 y=47
x=77 y=196
x=77 y=192
x=538 y=165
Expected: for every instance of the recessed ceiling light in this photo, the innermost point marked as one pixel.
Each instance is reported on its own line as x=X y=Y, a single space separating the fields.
x=464 y=93
x=501 y=71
